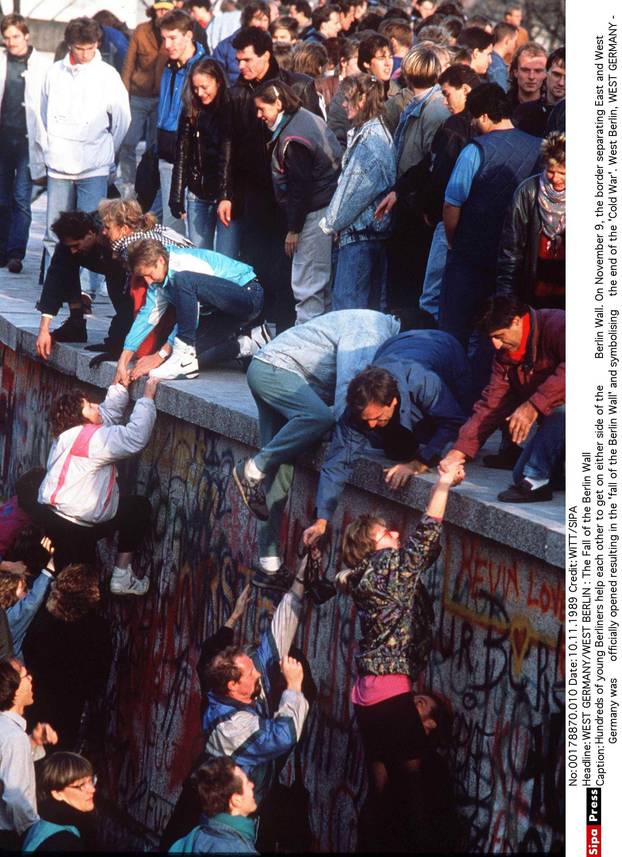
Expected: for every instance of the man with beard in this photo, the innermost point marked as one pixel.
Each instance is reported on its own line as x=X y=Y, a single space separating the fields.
x=244 y=719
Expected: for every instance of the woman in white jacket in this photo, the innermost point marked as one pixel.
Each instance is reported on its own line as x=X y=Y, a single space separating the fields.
x=78 y=501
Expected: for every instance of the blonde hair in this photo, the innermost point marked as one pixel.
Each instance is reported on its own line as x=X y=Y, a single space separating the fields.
x=147 y=251
x=128 y=213
x=421 y=66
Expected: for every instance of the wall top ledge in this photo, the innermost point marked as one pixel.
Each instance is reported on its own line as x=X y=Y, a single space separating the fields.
x=219 y=400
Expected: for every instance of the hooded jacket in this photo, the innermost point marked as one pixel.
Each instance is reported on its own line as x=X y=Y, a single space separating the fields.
x=34 y=77
x=86 y=111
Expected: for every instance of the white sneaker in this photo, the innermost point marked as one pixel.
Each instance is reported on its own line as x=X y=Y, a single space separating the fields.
x=182 y=363
x=260 y=336
x=124 y=582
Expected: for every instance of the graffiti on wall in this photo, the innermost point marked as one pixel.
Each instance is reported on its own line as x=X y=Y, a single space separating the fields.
x=498 y=655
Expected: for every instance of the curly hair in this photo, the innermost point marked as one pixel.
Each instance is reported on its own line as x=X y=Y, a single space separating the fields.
x=66 y=412
x=26 y=547
x=9 y=581
x=357 y=541
x=74 y=593
x=126 y=212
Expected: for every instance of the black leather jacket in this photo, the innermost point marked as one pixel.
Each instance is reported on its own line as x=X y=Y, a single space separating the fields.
x=517 y=261
x=245 y=155
x=198 y=157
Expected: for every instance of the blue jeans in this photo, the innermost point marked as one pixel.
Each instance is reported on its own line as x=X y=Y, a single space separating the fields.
x=205 y=230
x=230 y=306
x=437 y=259
x=143 y=126
x=292 y=419
x=361 y=276
x=543 y=454
x=166 y=176
x=70 y=195
x=15 y=195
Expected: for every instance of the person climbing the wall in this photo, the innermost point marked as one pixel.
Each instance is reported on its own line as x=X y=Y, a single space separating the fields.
x=384 y=578
x=78 y=502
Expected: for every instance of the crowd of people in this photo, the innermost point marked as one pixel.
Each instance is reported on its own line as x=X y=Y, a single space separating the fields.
x=363 y=206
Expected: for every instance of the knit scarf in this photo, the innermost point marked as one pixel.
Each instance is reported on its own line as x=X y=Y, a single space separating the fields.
x=552 y=205
x=159 y=233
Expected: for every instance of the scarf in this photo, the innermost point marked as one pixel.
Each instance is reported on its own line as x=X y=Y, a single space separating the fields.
x=552 y=205
x=160 y=233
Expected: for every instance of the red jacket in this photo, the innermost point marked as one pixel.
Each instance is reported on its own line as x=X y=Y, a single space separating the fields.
x=539 y=378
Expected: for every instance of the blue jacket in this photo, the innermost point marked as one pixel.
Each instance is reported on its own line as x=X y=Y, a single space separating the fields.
x=21 y=614
x=498 y=72
x=41 y=830
x=255 y=735
x=224 y=54
x=171 y=85
x=433 y=380
x=368 y=173
x=220 y=834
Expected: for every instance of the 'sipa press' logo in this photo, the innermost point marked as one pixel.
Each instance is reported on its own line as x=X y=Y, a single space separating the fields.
x=594 y=839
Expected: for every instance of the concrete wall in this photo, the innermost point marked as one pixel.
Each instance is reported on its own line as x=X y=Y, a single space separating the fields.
x=498 y=655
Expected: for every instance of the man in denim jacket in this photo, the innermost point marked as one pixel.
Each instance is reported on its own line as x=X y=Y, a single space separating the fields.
x=299 y=382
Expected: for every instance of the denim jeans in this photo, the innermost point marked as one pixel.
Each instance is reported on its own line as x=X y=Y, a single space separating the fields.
x=230 y=306
x=15 y=194
x=465 y=288
x=143 y=126
x=206 y=231
x=70 y=195
x=361 y=276
x=166 y=175
x=292 y=419
x=543 y=453
x=434 y=271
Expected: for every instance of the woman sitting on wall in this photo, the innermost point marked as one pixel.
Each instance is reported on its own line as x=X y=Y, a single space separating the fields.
x=396 y=615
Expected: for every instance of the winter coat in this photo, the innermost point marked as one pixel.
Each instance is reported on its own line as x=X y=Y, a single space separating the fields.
x=419 y=122
x=198 y=157
x=539 y=378
x=86 y=111
x=169 y=106
x=144 y=63
x=218 y=835
x=81 y=479
x=246 y=159
x=225 y=55
x=368 y=172
x=306 y=160
x=37 y=136
x=517 y=263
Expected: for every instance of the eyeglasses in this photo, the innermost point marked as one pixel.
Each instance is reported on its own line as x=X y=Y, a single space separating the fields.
x=87 y=784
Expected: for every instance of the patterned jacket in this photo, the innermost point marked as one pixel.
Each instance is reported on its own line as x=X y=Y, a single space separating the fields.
x=394 y=606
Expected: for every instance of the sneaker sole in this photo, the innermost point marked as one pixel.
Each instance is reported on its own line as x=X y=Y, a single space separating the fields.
x=239 y=486
x=116 y=591
x=181 y=377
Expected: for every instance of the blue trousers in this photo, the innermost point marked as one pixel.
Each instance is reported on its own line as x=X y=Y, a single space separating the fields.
x=361 y=276
x=205 y=230
x=15 y=194
x=543 y=454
